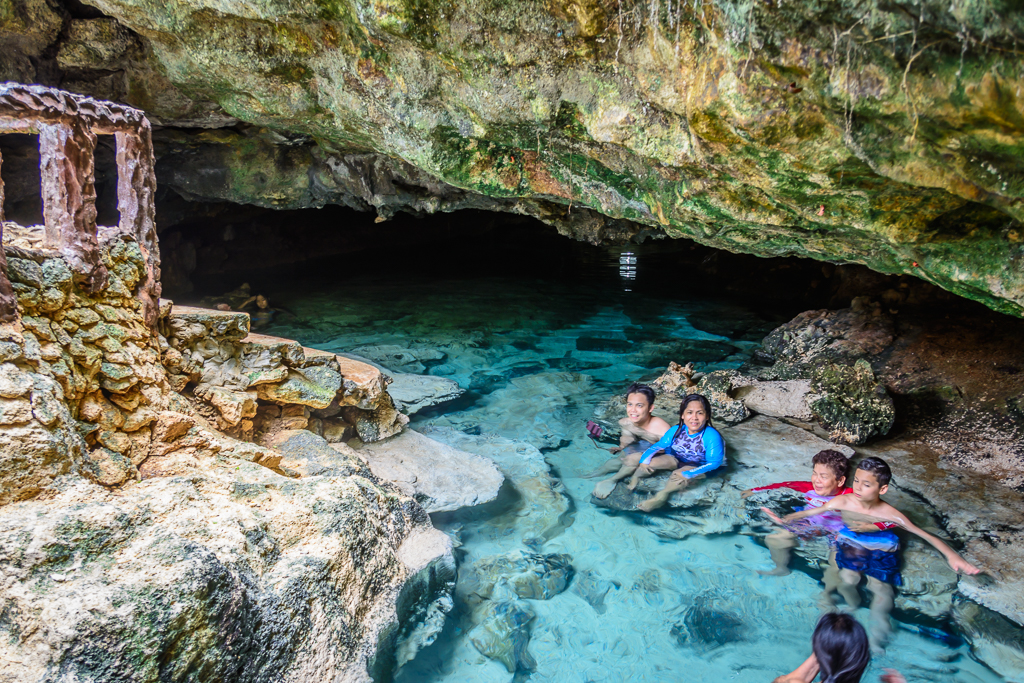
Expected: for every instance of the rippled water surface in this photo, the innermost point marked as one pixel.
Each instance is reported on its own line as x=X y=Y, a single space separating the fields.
x=539 y=339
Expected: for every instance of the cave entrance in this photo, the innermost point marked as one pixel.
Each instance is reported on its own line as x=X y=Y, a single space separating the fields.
x=212 y=248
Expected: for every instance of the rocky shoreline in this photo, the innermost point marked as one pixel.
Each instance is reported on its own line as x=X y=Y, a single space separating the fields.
x=172 y=503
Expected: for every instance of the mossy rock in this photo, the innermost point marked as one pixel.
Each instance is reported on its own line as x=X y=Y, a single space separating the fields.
x=715 y=386
x=851 y=404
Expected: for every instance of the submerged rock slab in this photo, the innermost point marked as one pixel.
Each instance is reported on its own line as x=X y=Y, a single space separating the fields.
x=527 y=408
x=533 y=576
x=413 y=393
x=439 y=477
x=544 y=510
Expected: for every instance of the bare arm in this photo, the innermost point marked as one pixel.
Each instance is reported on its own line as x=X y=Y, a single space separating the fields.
x=802 y=514
x=956 y=563
x=804 y=673
x=625 y=438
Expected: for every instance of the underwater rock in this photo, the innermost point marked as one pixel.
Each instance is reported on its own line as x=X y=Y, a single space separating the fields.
x=994 y=639
x=648 y=354
x=534 y=576
x=850 y=403
x=427 y=553
x=413 y=393
x=590 y=586
x=603 y=345
x=528 y=408
x=705 y=627
x=503 y=632
x=414 y=361
x=439 y=477
x=543 y=509
x=700 y=492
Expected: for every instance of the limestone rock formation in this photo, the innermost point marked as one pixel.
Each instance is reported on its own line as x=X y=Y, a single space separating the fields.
x=543 y=510
x=438 y=476
x=413 y=393
x=839 y=131
x=229 y=371
x=141 y=539
x=193 y=574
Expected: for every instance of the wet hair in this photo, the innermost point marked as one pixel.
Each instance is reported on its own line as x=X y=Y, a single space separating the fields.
x=877 y=467
x=637 y=388
x=834 y=460
x=841 y=648
x=690 y=399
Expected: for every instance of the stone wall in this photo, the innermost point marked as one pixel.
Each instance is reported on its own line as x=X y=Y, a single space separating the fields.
x=149 y=529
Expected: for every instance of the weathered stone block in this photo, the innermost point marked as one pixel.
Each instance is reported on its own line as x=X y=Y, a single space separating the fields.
x=111 y=468
x=115 y=441
x=298 y=389
x=15 y=411
x=14 y=382
x=97 y=409
x=56 y=275
x=25 y=272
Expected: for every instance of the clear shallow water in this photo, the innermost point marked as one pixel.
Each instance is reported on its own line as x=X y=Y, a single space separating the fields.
x=539 y=345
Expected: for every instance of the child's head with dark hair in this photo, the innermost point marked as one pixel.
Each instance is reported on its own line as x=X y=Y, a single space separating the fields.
x=877 y=467
x=834 y=460
x=643 y=390
x=841 y=647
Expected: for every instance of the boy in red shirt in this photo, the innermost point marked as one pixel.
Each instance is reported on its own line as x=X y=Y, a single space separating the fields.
x=872 y=554
x=828 y=478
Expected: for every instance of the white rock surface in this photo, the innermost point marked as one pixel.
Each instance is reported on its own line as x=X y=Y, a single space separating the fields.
x=413 y=393
x=778 y=399
x=440 y=477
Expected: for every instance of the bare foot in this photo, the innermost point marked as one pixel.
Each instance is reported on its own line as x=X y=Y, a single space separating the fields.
x=778 y=571
x=604 y=488
x=632 y=484
x=650 y=504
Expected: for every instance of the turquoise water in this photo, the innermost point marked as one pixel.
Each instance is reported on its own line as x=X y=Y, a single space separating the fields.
x=539 y=344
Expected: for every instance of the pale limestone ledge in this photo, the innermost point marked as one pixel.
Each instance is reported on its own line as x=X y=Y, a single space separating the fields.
x=128 y=502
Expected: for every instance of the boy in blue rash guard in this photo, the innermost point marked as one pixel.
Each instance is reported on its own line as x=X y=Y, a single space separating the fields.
x=693 y=448
x=861 y=549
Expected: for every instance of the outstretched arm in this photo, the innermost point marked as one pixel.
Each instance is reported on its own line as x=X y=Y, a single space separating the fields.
x=956 y=563
x=794 y=516
x=626 y=437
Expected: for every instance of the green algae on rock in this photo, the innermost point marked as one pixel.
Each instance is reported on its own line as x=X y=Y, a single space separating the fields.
x=874 y=134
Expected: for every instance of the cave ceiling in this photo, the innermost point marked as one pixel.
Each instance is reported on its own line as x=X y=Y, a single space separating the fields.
x=889 y=134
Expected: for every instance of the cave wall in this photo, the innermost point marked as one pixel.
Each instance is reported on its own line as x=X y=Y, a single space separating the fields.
x=887 y=134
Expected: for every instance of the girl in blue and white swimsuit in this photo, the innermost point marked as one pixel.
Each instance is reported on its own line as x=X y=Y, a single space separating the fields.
x=693 y=448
